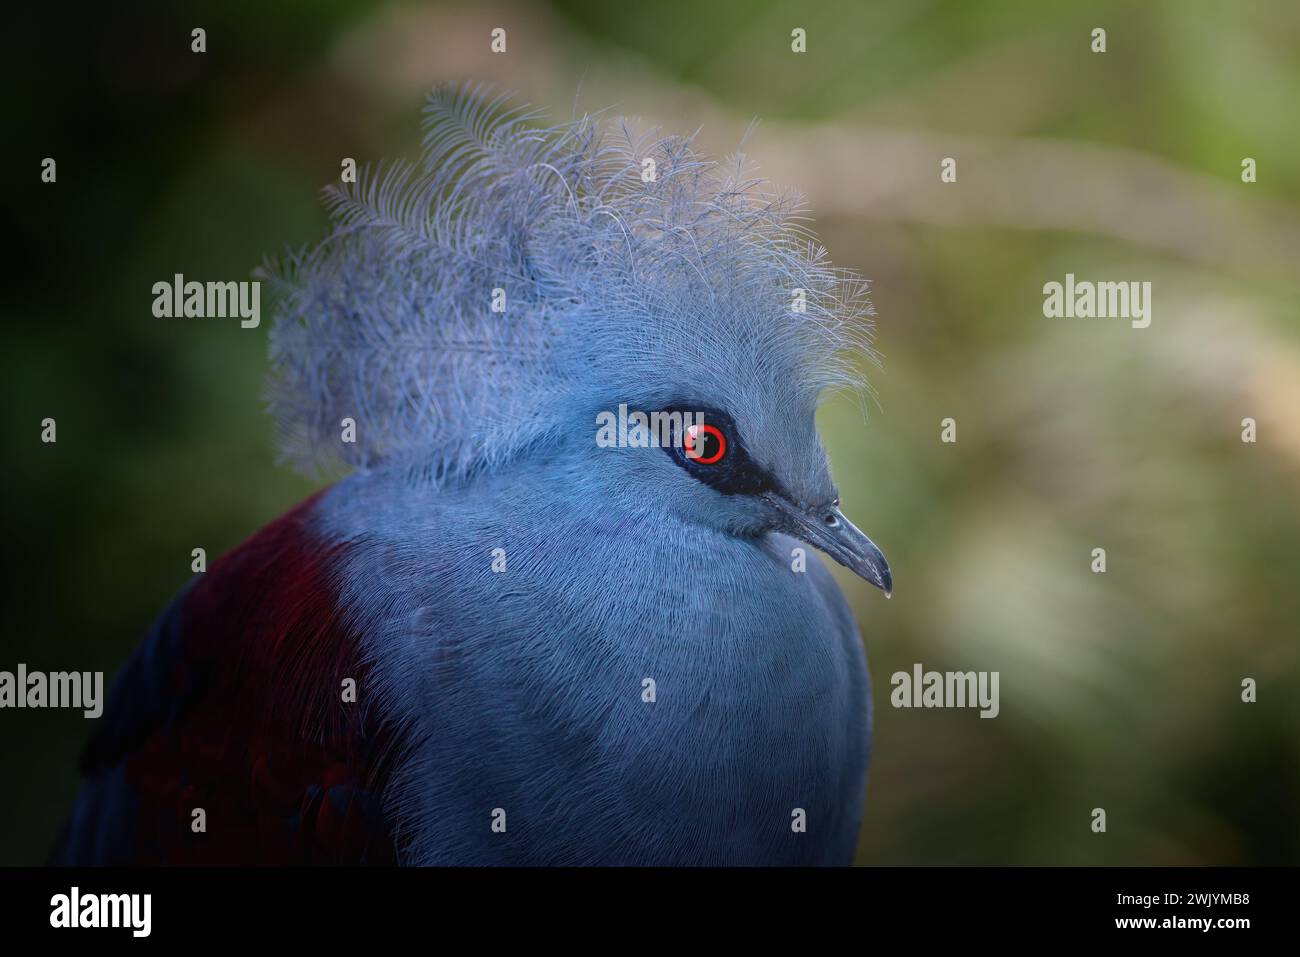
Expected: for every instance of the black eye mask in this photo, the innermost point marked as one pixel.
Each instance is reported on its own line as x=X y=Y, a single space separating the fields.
x=711 y=451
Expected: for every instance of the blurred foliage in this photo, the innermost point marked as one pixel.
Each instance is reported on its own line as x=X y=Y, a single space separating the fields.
x=1118 y=691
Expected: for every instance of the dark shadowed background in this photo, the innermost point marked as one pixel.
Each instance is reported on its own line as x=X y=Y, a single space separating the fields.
x=1119 y=690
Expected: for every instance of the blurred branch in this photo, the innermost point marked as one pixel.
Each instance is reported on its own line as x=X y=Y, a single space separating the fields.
x=893 y=175
x=862 y=171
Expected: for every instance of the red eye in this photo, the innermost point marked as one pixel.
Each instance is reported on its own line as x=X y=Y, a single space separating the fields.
x=704 y=444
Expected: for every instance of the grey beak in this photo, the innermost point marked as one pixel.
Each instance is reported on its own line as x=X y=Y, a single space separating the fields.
x=825 y=527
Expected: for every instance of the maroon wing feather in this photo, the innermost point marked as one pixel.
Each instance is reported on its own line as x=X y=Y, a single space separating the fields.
x=234 y=704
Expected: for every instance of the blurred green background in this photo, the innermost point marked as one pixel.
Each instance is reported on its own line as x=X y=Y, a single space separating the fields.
x=1119 y=690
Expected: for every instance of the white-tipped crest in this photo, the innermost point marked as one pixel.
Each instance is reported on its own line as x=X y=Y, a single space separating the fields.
x=614 y=287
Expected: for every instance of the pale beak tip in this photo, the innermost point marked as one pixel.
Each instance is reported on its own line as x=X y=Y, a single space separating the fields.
x=886 y=584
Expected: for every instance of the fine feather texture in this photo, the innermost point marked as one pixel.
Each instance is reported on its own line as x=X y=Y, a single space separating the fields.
x=616 y=289
x=630 y=664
